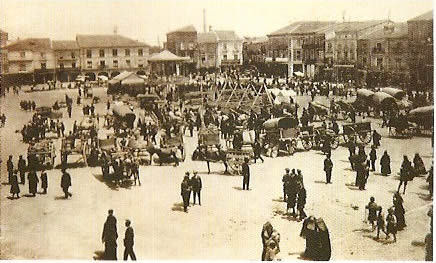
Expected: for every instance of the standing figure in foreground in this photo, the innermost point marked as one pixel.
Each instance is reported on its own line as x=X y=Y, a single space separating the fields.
x=33 y=182
x=128 y=242
x=246 y=175
x=328 y=166
x=109 y=237
x=268 y=235
x=391 y=227
x=196 y=187
x=385 y=163
x=15 y=188
x=66 y=183
x=185 y=192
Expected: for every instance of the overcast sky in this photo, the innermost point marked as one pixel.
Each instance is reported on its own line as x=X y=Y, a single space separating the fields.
x=148 y=20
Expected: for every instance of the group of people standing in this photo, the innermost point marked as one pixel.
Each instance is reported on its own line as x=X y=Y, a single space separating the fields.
x=188 y=185
x=294 y=193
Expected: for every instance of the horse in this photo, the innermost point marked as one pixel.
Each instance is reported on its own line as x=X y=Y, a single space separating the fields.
x=201 y=153
x=165 y=155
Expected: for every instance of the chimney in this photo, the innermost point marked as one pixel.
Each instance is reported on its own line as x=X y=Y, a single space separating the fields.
x=204 y=20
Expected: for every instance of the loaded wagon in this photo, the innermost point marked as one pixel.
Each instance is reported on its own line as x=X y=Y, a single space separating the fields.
x=42 y=154
x=315 y=137
x=209 y=146
x=281 y=136
x=361 y=130
x=418 y=121
x=385 y=103
x=342 y=109
x=242 y=148
x=363 y=100
x=123 y=117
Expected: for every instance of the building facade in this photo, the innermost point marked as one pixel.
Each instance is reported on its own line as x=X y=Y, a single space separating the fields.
x=183 y=43
x=67 y=59
x=341 y=46
x=108 y=55
x=229 y=50
x=382 y=56
x=207 y=49
x=30 y=60
x=420 y=38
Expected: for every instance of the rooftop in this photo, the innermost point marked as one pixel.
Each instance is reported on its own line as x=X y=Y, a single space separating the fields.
x=227 y=35
x=64 y=45
x=107 y=41
x=209 y=37
x=32 y=44
x=424 y=17
x=189 y=28
x=356 y=25
x=165 y=56
x=398 y=30
x=302 y=27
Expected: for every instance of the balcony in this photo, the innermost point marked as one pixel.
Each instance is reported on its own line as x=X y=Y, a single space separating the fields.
x=102 y=66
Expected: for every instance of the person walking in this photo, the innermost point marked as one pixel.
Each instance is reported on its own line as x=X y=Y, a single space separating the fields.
x=373 y=157
x=22 y=169
x=257 y=150
x=380 y=222
x=44 y=181
x=196 y=187
x=128 y=242
x=301 y=203
x=391 y=227
x=246 y=175
x=109 y=237
x=185 y=192
x=33 y=182
x=66 y=183
x=15 y=188
x=399 y=211
x=328 y=167
x=376 y=137
x=385 y=163
x=372 y=212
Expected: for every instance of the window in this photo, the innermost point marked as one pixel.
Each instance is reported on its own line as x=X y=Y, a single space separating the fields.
x=42 y=54
x=22 y=67
x=224 y=45
x=89 y=64
x=298 y=55
x=127 y=52
x=114 y=52
x=140 y=65
x=140 y=52
x=101 y=52
x=23 y=54
x=236 y=57
x=398 y=63
x=61 y=65
x=379 y=46
x=102 y=63
x=329 y=47
x=6 y=68
x=203 y=59
x=128 y=62
x=73 y=55
x=73 y=65
x=379 y=63
x=115 y=63
x=43 y=65
x=89 y=53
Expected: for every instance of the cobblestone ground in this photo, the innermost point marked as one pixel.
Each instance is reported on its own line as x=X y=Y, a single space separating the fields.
x=226 y=226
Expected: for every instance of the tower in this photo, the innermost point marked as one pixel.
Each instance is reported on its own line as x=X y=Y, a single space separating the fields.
x=204 y=21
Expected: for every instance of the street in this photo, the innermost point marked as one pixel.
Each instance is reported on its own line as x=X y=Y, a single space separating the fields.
x=228 y=224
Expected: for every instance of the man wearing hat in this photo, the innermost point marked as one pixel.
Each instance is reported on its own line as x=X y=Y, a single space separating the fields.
x=328 y=167
x=246 y=175
x=286 y=179
x=66 y=183
x=196 y=185
x=22 y=168
x=128 y=242
x=109 y=236
x=185 y=192
x=10 y=168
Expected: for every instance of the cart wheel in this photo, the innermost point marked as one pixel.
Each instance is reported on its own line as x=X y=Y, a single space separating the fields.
x=307 y=144
x=349 y=138
x=365 y=137
x=235 y=167
x=274 y=151
x=334 y=143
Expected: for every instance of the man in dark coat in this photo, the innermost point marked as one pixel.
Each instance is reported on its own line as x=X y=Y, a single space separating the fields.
x=185 y=192
x=22 y=168
x=196 y=185
x=376 y=137
x=109 y=237
x=246 y=175
x=373 y=157
x=328 y=167
x=66 y=183
x=385 y=163
x=44 y=181
x=128 y=242
x=286 y=178
x=15 y=188
x=301 y=202
x=33 y=182
x=10 y=168
x=257 y=150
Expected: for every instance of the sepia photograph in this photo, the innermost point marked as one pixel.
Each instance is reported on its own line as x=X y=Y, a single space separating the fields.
x=254 y=130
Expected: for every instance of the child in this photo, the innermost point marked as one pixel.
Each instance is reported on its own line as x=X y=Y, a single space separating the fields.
x=372 y=214
x=391 y=227
x=380 y=223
